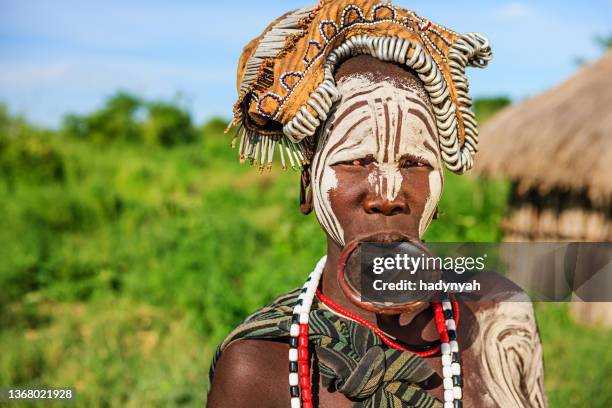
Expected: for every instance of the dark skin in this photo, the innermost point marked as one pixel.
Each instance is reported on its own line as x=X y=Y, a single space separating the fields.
x=254 y=372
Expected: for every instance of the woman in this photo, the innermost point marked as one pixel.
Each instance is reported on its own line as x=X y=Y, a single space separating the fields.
x=371 y=101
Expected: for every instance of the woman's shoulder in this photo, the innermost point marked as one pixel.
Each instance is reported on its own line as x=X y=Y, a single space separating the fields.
x=259 y=331
x=248 y=364
x=250 y=370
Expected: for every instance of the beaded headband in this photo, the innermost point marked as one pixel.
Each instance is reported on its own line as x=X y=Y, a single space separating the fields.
x=286 y=84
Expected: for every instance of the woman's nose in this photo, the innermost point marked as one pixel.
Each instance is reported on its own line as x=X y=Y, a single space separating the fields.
x=377 y=204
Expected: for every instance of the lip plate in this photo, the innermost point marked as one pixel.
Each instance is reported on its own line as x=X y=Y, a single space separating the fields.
x=354 y=296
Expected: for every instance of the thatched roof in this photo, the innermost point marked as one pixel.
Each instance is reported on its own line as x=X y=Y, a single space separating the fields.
x=560 y=139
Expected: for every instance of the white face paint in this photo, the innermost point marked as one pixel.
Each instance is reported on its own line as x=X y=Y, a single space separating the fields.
x=511 y=370
x=384 y=121
x=436 y=182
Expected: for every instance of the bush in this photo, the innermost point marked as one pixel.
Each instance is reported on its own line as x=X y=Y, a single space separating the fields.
x=26 y=153
x=214 y=127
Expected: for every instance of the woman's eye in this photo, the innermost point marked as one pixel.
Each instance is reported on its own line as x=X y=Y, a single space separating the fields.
x=364 y=161
x=413 y=163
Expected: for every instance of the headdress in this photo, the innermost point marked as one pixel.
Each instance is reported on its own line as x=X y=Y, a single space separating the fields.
x=286 y=76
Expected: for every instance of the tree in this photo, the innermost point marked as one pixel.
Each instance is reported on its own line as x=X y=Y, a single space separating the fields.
x=484 y=108
x=125 y=117
x=116 y=120
x=604 y=42
x=167 y=125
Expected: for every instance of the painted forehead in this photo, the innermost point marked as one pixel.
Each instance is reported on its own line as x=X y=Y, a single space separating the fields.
x=378 y=117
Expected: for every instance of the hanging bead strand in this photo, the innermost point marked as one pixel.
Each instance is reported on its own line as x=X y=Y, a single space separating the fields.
x=299 y=370
x=451 y=368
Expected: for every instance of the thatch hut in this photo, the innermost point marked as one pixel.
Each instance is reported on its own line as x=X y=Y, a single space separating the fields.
x=557 y=150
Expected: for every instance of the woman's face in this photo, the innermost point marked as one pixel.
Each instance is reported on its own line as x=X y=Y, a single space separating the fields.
x=377 y=171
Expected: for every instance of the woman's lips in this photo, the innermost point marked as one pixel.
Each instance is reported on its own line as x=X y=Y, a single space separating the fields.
x=385 y=237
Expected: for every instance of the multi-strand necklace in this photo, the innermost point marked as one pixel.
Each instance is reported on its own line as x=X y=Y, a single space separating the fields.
x=446 y=317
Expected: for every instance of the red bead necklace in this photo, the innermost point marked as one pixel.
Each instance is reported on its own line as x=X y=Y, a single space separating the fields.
x=439 y=318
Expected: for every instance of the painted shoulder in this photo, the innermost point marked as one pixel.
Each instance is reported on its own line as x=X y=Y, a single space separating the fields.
x=510 y=351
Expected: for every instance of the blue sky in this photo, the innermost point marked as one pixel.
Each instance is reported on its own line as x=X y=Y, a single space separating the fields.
x=59 y=56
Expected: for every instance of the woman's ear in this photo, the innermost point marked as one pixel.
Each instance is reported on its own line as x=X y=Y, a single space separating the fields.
x=305 y=191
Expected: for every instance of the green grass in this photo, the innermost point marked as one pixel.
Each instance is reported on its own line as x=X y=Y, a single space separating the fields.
x=577 y=360
x=123 y=265
x=116 y=352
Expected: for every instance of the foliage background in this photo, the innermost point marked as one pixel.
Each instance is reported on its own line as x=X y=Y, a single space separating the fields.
x=132 y=241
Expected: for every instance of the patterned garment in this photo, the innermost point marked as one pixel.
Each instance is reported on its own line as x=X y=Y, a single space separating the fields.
x=351 y=358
